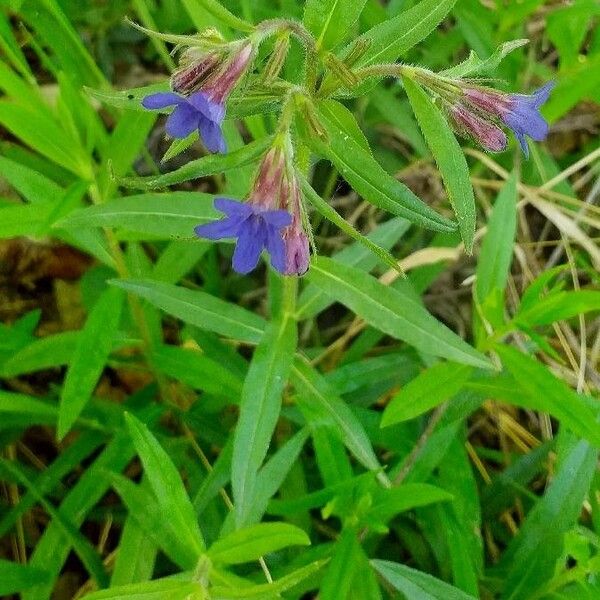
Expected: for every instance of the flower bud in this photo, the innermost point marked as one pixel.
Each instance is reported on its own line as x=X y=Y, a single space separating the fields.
x=341 y=71
x=277 y=60
x=468 y=124
x=297 y=251
x=195 y=68
x=360 y=46
x=270 y=189
x=221 y=83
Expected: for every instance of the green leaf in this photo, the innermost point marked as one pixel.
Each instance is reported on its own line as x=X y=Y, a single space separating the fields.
x=549 y=393
x=250 y=543
x=41 y=132
x=198 y=308
x=54 y=545
x=15 y=577
x=161 y=216
x=449 y=158
x=91 y=353
x=394 y=37
x=267 y=591
x=331 y=20
x=259 y=408
x=330 y=214
x=126 y=99
x=54 y=28
x=532 y=555
x=417 y=585
x=33 y=186
x=207 y=165
x=166 y=484
x=44 y=353
x=428 y=390
x=497 y=247
x=558 y=306
x=337 y=583
x=391 y=502
x=320 y=400
x=143 y=506
x=368 y=178
x=312 y=301
x=391 y=311
x=473 y=64
x=85 y=551
x=136 y=557
x=20 y=220
x=215 y=8
x=198 y=371
x=161 y=589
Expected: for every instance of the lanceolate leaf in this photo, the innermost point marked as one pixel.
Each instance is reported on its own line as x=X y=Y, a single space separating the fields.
x=320 y=400
x=202 y=167
x=415 y=584
x=198 y=308
x=449 y=157
x=432 y=387
x=250 y=543
x=329 y=213
x=392 y=38
x=91 y=353
x=391 y=311
x=15 y=577
x=166 y=484
x=162 y=216
x=533 y=553
x=331 y=20
x=497 y=247
x=547 y=392
x=259 y=409
x=368 y=178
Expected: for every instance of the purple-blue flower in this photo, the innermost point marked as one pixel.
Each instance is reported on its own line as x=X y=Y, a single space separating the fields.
x=196 y=112
x=524 y=116
x=255 y=227
x=519 y=112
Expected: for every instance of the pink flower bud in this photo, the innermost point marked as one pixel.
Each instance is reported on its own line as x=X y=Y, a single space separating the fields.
x=484 y=132
x=195 y=68
x=221 y=83
x=271 y=189
x=297 y=251
x=488 y=100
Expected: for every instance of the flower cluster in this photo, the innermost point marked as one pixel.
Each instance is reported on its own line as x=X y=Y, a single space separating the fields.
x=271 y=219
x=479 y=112
x=201 y=87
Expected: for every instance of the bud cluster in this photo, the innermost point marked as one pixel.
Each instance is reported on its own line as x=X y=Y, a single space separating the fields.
x=479 y=112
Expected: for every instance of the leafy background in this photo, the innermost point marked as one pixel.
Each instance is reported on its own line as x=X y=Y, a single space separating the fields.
x=170 y=429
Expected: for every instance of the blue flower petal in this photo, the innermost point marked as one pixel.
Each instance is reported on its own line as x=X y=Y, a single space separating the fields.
x=213 y=111
x=182 y=121
x=217 y=230
x=212 y=136
x=277 y=218
x=252 y=239
x=541 y=95
x=161 y=100
x=276 y=248
x=233 y=207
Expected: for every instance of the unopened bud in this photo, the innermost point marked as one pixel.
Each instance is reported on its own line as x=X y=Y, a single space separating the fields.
x=221 y=83
x=360 y=46
x=486 y=133
x=277 y=59
x=195 y=68
x=311 y=119
x=341 y=71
